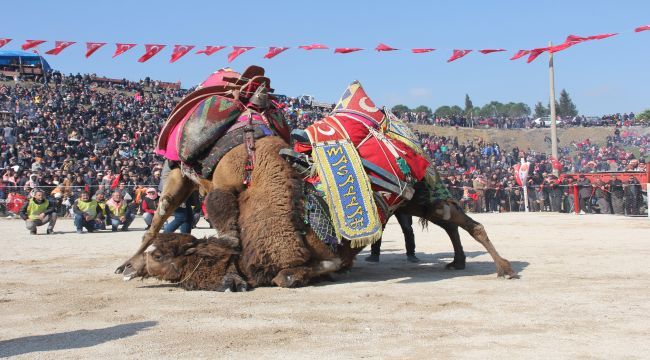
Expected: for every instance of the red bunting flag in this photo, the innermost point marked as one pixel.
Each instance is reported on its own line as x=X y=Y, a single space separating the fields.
x=122 y=48
x=274 y=51
x=520 y=54
x=384 y=47
x=488 y=51
x=59 y=46
x=421 y=50
x=313 y=47
x=209 y=50
x=457 y=54
x=565 y=45
x=346 y=50
x=535 y=53
x=575 y=38
x=642 y=28
x=31 y=43
x=180 y=51
x=150 y=51
x=91 y=47
x=4 y=42
x=238 y=50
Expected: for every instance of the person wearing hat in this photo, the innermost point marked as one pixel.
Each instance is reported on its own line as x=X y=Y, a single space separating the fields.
x=87 y=213
x=148 y=205
x=39 y=211
x=118 y=212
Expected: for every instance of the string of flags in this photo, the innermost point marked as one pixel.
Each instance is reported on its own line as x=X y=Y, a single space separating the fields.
x=179 y=51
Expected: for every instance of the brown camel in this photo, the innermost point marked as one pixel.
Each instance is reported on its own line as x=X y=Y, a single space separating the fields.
x=266 y=218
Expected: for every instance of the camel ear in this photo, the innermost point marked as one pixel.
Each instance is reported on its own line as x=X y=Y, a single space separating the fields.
x=190 y=251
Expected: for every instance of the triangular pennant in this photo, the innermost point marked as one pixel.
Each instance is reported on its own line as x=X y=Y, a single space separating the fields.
x=238 y=50
x=422 y=50
x=520 y=54
x=346 y=50
x=274 y=51
x=4 y=42
x=313 y=47
x=59 y=46
x=122 y=48
x=489 y=51
x=457 y=54
x=384 y=47
x=180 y=51
x=534 y=53
x=642 y=28
x=31 y=43
x=209 y=50
x=150 y=51
x=91 y=47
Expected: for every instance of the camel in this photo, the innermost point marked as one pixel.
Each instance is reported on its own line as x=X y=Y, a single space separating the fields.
x=264 y=221
x=264 y=216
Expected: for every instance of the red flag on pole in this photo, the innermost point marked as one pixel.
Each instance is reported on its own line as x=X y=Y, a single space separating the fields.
x=565 y=45
x=346 y=50
x=313 y=47
x=384 y=47
x=209 y=50
x=180 y=51
x=457 y=54
x=274 y=51
x=520 y=54
x=150 y=51
x=122 y=48
x=4 y=42
x=421 y=50
x=238 y=50
x=91 y=47
x=59 y=46
x=31 y=43
x=577 y=39
x=534 y=53
x=488 y=51
x=642 y=28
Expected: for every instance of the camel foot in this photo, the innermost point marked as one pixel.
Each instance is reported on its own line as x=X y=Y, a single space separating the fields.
x=457 y=264
x=233 y=283
x=504 y=270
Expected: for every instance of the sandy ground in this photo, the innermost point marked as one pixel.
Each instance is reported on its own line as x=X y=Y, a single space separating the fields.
x=584 y=293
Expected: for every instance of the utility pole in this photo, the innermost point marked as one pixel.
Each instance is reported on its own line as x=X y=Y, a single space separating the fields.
x=551 y=76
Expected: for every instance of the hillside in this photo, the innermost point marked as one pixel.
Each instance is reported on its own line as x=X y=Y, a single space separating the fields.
x=528 y=138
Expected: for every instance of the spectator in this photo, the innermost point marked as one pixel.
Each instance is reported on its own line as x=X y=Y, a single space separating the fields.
x=118 y=212
x=87 y=214
x=149 y=205
x=39 y=211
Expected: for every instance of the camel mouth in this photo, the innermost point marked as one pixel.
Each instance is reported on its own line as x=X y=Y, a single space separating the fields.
x=129 y=274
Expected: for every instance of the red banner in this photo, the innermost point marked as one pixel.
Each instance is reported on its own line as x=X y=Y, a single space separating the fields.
x=274 y=51
x=209 y=50
x=346 y=50
x=313 y=47
x=520 y=54
x=458 y=54
x=642 y=28
x=150 y=51
x=122 y=48
x=238 y=50
x=4 y=42
x=32 y=43
x=489 y=51
x=180 y=51
x=422 y=50
x=91 y=47
x=59 y=46
x=384 y=47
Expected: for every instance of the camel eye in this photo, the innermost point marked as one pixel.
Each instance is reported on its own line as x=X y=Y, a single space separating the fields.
x=157 y=257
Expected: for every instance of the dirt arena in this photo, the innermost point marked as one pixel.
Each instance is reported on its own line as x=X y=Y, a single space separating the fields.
x=584 y=292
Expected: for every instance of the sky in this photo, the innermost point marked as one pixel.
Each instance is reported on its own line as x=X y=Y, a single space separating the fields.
x=602 y=77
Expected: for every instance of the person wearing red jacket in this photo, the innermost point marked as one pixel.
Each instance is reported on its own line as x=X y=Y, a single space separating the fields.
x=148 y=205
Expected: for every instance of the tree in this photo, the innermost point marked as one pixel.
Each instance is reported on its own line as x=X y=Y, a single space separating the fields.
x=468 y=105
x=541 y=110
x=443 y=111
x=400 y=109
x=423 y=109
x=645 y=116
x=456 y=110
x=567 y=108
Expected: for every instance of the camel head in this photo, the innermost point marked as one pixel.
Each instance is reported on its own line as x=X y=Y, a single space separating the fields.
x=205 y=264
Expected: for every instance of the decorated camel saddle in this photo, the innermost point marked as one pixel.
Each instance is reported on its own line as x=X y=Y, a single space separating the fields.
x=226 y=110
x=361 y=163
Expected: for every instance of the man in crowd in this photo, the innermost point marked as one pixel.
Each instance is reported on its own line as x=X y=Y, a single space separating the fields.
x=119 y=212
x=39 y=211
x=87 y=214
x=149 y=205
x=184 y=215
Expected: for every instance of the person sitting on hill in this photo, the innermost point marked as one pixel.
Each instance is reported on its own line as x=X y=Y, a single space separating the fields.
x=39 y=211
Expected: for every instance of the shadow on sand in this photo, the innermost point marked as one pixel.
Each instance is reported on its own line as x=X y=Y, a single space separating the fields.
x=70 y=339
x=430 y=268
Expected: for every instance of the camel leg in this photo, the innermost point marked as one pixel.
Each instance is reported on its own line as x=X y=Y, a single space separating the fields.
x=223 y=212
x=459 y=254
x=301 y=275
x=176 y=189
x=459 y=218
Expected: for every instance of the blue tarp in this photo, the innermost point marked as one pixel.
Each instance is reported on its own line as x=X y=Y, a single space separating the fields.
x=27 y=58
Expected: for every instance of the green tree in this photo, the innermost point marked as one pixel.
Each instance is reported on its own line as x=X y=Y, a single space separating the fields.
x=567 y=108
x=456 y=110
x=541 y=110
x=400 y=109
x=468 y=105
x=423 y=109
x=443 y=111
x=645 y=116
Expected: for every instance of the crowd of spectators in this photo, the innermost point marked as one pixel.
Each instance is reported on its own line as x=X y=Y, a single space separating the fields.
x=78 y=133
